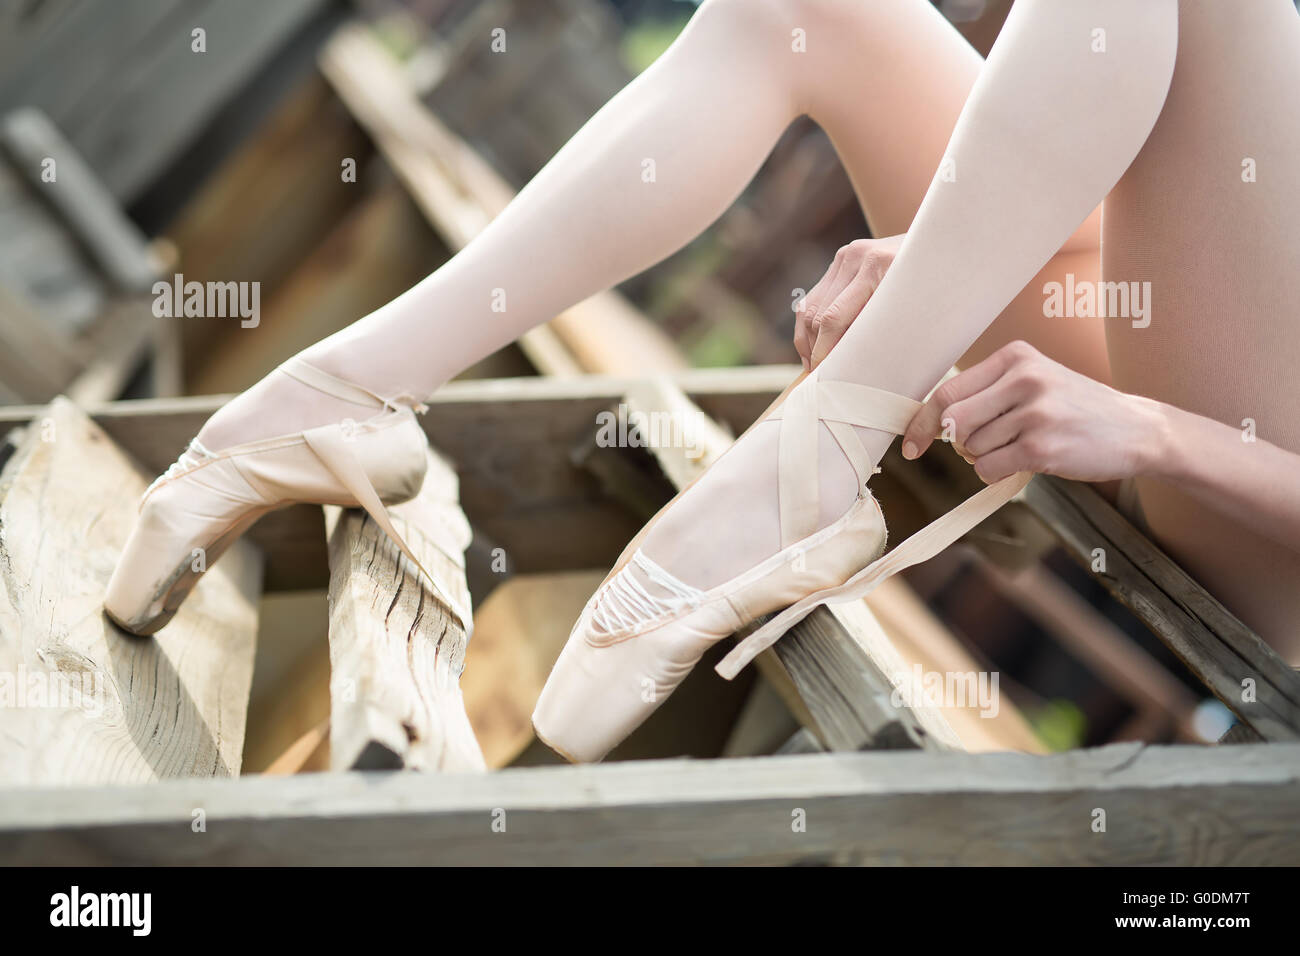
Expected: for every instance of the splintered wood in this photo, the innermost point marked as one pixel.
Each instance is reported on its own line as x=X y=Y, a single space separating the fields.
x=80 y=700
x=397 y=643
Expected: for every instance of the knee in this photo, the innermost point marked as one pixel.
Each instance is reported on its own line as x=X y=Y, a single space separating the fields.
x=772 y=29
x=738 y=18
x=828 y=29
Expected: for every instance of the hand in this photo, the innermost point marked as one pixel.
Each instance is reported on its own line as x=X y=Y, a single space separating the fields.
x=830 y=308
x=1019 y=411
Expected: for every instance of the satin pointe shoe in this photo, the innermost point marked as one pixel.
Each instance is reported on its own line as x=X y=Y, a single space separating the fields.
x=193 y=512
x=644 y=629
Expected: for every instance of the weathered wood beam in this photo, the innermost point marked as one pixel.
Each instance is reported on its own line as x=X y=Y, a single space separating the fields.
x=1164 y=805
x=114 y=708
x=379 y=248
x=1169 y=705
x=521 y=490
x=119 y=342
x=308 y=754
x=82 y=201
x=267 y=207
x=927 y=643
x=37 y=360
x=1225 y=655
x=397 y=642
x=132 y=106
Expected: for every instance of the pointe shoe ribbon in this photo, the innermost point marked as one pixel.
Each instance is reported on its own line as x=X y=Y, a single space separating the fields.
x=206 y=500
x=330 y=444
x=922 y=546
x=643 y=631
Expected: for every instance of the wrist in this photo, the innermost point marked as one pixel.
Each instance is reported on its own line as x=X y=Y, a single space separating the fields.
x=1159 y=450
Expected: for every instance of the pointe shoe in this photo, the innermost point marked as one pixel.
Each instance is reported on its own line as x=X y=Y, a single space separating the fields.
x=193 y=512
x=643 y=630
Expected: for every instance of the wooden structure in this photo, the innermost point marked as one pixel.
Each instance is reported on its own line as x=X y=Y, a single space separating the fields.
x=67 y=58
x=939 y=806
x=75 y=276
x=515 y=468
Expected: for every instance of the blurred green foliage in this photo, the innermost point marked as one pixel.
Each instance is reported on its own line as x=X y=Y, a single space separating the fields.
x=1060 y=724
x=643 y=42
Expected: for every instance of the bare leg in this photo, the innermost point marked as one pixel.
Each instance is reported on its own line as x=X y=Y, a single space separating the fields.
x=650 y=171
x=653 y=168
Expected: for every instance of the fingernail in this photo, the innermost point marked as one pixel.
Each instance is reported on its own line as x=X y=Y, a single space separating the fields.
x=910 y=450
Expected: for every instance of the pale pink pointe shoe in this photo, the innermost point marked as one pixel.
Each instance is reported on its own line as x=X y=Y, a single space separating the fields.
x=192 y=513
x=643 y=630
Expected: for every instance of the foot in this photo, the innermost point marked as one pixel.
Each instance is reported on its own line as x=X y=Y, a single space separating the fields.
x=729 y=520
x=282 y=405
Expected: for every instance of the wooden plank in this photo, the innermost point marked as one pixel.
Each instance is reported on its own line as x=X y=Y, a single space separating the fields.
x=397 y=643
x=763 y=726
x=1214 y=806
x=36 y=361
x=130 y=709
x=520 y=489
x=1220 y=650
x=925 y=642
x=269 y=205
x=802 y=741
x=379 y=248
x=119 y=343
x=291 y=676
x=41 y=263
x=81 y=200
x=79 y=50
x=1101 y=646
x=23 y=25
x=308 y=754
x=838 y=659
x=123 y=80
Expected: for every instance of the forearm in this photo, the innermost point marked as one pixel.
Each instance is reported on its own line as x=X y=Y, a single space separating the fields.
x=1049 y=128
x=1228 y=469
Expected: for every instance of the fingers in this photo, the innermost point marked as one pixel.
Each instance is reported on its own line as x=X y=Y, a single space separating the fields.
x=926 y=423
x=962 y=421
x=836 y=319
x=830 y=308
x=822 y=294
x=998 y=464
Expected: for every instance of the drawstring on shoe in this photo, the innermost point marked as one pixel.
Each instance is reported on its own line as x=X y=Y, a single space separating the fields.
x=192 y=457
x=626 y=603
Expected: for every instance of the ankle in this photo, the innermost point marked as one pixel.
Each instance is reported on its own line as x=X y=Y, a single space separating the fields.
x=276 y=405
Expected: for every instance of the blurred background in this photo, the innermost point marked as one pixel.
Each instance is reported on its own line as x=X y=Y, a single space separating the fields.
x=230 y=166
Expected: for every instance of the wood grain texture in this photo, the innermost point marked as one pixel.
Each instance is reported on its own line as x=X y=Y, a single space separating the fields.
x=1164 y=805
x=148 y=708
x=1219 y=649
x=397 y=642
